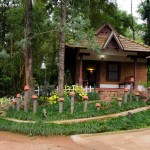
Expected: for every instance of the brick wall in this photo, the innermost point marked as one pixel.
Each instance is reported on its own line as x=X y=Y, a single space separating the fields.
x=126 y=69
x=141 y=72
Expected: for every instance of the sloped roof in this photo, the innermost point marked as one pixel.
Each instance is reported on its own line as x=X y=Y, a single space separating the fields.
x=131 y=45
x=124 y=43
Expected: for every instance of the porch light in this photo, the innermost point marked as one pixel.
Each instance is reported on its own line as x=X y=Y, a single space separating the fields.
x=102 y=57
x=90 y=69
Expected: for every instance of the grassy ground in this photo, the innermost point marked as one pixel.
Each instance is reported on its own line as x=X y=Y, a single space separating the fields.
x=52 y=111
x=138 y=120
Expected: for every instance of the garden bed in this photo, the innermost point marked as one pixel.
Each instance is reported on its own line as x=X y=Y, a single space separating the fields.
x=136 y=121
x=53 y=114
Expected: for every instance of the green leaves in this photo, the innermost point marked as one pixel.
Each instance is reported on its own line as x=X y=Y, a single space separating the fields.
x=4 y=54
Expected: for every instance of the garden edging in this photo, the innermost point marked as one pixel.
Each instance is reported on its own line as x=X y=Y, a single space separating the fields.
x=83 y=119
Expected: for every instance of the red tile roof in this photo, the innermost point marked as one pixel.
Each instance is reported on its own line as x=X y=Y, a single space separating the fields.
x=127 y=44
x=131 y=45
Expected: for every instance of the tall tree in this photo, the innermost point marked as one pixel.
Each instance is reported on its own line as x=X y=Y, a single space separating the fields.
x=62 y=49
x=144 y=10
x=27 y=45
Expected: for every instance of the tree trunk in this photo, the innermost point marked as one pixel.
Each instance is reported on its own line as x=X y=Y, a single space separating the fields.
x=27 y=47
x=62 y=49
x=148 y=22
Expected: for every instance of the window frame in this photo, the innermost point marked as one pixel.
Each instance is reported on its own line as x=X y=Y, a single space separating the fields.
x=108 y=71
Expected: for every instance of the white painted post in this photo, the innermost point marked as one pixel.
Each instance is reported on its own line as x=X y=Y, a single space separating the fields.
x=38 y=90
x=86 y=89
x=73 y=88
x=90 y=88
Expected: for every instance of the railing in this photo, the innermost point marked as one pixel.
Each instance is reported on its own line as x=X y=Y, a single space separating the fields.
x=86 y=89
x=69 y=89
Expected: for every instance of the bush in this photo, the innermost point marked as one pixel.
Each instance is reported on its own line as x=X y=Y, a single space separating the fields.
x=93 y=96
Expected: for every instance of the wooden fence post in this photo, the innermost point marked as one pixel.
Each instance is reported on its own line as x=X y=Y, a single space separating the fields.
x=34 y=97
x=61 y=100
x=119 y=101
x=14 y=103
x=98 y=105
x=72 y=94
x=137 y=94
x=18 y=100
x=85 y=98
x=126 y=95
x=26 y=98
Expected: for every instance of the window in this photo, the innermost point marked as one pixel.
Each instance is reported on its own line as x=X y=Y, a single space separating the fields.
x=113 y=71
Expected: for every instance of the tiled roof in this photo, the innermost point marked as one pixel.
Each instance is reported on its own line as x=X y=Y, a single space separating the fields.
x=131 y=45
x=126 y=43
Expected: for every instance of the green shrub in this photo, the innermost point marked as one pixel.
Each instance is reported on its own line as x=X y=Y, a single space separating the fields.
x=93 y=96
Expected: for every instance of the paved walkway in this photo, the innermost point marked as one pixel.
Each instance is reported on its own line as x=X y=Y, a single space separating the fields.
x=129 y=140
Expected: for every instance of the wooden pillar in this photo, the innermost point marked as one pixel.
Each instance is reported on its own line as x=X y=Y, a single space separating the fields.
x=80 y=71
x=135 y=73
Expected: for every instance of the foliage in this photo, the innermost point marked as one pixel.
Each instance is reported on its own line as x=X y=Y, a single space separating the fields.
x=83 y=19
x=144 y=10
x=138 y=120
x=53 y=114
x=93 y=96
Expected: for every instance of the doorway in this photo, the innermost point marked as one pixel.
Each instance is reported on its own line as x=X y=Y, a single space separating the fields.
x=90 y=72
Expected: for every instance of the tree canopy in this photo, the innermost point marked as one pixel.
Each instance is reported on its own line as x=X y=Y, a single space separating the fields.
x=83 y=18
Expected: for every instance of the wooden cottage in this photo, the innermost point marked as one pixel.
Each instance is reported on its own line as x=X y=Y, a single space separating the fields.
x=119 y=61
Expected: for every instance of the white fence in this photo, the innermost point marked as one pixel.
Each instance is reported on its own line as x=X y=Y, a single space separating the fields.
x=87 y=89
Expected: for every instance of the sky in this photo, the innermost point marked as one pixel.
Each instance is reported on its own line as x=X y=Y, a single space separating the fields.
x=126 y=5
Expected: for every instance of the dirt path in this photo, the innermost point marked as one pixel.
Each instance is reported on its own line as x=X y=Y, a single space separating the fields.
x=12 y=141
x=127 y=140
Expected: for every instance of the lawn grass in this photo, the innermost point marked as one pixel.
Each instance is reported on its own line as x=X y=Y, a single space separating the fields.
x=138 y=120
x=52 y=111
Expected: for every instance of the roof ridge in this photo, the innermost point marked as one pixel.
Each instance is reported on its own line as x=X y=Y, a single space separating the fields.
x=113 y=34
